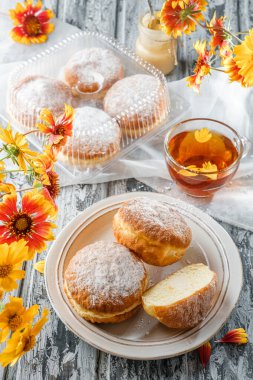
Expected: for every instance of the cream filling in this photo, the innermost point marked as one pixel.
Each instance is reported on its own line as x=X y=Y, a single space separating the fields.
x=85 y=313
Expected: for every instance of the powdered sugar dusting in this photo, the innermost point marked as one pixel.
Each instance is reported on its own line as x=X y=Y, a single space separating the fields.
x=93 y=129
x=156 y=218
x=107 y=270
x=130 y=91
x=36 y=92
x=103 y=61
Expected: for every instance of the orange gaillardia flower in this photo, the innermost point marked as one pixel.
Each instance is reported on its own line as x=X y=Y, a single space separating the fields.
x=22 y=341
x=244 y=58
x=238 y=336
x=31 y=23
x=202 y=67
x=179 y=17
x=220 y=39
x=11 y=259
x=58 y=129
x=30 y=222
x=15 y=317
x=47 y=175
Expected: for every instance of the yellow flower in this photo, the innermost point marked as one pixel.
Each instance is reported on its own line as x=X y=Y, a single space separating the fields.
x=233 y=71
x=11 y=259
x=40 y=266
x=15 y=317
x=244 y=58
x=16 y=147
x=22 y=341
x=202 y=135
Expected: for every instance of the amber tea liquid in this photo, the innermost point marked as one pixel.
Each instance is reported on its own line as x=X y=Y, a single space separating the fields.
x=219 y=150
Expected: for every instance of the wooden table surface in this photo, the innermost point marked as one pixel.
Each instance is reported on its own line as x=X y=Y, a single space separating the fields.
x=59 y=354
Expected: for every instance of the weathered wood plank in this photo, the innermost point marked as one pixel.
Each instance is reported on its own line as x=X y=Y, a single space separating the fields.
x=92 y=15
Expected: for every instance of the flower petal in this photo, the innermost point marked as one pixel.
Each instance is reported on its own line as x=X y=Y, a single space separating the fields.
x=204 y=353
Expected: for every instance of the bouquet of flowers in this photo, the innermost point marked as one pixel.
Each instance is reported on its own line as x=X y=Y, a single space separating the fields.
x=179 y=17
x=27 y=218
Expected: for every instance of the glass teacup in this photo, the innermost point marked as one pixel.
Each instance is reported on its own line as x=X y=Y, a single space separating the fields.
x=202 y=155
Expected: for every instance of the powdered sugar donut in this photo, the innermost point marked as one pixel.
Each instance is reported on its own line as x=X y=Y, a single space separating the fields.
x=93 y=71
x=104 y=282
x=96 y=138
x=35 y=92
x=157 y=233
x=126 y=96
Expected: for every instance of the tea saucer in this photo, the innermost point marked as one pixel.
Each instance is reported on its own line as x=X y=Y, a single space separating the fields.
x=143 y=337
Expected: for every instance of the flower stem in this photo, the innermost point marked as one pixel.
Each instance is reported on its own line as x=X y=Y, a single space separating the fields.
x=33 y=131
x=238 y=33
x=21 y=190
x=215 y=28
x=15 y=171
x=5 y=157
x=215 y=69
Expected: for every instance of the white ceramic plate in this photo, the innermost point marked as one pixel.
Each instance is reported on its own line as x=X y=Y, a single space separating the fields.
x=143 y=337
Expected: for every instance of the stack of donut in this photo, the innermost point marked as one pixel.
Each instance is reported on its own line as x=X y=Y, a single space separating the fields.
x=93 y=78
x=106 y=282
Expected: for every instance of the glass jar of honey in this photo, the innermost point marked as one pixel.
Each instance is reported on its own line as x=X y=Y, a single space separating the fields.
x=155 y=46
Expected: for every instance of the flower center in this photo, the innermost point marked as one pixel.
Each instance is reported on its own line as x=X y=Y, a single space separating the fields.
x=13 y=149
x=5 y=270
x=54 y=187
x=14 y=322
x=32 y=26
x=60 y=130
x=20 y=224
x=29 y=343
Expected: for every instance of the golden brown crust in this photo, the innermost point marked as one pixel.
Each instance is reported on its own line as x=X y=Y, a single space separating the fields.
x=105 y=278
x=97 y=317
x=187 y=312
x=89 y=158
x=154 y=231
x=123 y=97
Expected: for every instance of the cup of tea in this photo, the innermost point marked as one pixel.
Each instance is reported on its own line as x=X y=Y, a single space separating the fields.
x=202 y=155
